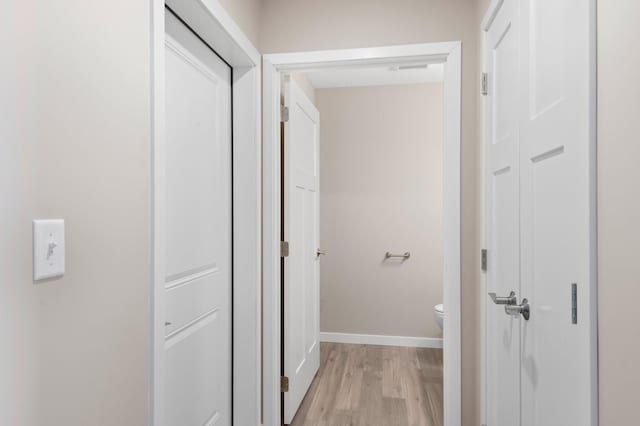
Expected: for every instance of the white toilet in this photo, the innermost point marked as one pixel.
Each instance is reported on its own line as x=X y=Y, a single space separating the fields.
x=438 y=313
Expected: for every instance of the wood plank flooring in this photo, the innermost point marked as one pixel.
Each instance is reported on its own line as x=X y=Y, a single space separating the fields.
x=364 y=385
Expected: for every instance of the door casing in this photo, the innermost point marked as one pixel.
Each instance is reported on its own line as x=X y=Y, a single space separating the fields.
x=216 y=28
x=448 y=53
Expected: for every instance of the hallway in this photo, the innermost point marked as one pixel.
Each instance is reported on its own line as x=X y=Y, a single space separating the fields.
x=172 y=257
x=374 y=385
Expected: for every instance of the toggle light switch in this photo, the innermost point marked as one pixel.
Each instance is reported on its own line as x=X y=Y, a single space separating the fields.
x=48 y=248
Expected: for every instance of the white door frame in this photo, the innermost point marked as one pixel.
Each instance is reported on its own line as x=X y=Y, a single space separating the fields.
x=448 y=53
x=216 y=28
x=487 y=20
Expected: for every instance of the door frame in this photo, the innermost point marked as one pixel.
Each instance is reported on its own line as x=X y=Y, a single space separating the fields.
x=489 y=15
x=215 y=27
x=273 y=65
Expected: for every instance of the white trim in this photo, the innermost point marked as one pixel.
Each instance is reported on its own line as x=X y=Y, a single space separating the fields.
x=381 y=340
x=404 y=54
x=271 y=245
x=593 y=242
x=488 y=18
x=490 y=14
x=273 y=65
x=212 y=22
x=216 y=27
x=483 y=243
x=451 y=213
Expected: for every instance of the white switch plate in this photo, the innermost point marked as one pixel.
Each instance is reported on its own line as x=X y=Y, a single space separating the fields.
x=48 y=248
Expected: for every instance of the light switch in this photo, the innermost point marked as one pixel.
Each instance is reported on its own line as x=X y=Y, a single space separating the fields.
x=48 y=248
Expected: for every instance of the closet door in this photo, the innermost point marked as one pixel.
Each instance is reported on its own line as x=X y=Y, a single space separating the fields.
x=503 y=238
x=557 y=211
x=541 y=359
x=197 y=245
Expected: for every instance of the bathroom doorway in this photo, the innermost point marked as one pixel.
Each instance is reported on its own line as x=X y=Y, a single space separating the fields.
x=370 y=141
x=380 y=350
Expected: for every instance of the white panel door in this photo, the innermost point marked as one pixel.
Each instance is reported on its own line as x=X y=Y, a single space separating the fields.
x=301 y=225
x=541 y=213
x=502 y=185
x=557 y=167
x=197 y=388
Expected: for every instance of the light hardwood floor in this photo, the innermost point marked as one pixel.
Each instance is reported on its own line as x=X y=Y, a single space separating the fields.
x=368 y=385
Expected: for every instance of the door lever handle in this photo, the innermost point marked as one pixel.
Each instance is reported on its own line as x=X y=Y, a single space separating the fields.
x=522 y=309
x=509 y=300
x=320 y=253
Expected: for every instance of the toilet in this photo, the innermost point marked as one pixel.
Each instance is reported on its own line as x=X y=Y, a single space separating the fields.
x=438 y=313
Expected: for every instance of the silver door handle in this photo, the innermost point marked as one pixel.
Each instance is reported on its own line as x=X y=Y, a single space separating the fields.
x=509 y=300
x=320 y=253
x=522 y=309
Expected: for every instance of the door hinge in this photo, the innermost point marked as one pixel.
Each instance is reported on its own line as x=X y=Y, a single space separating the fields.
x=284 y=248
x=284 y=384
x=485 y=84
x=284 y=113
x=483 y=260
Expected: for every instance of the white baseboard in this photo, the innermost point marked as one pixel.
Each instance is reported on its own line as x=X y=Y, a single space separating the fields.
x=374 y=339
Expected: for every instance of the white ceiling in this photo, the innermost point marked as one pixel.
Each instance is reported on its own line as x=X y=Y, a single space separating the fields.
x=379 y=76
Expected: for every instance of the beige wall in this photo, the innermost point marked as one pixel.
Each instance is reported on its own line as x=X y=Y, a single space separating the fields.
x=329 y=24
x=618 y=210
x=381 y=190
x=74 y=349
x=303 y=83
x=246 y=13
x=76 y=145
x=19 y=323
x=99 y=184
x=483 y=5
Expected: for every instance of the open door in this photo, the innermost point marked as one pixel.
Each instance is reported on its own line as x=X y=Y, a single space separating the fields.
x=301 y=292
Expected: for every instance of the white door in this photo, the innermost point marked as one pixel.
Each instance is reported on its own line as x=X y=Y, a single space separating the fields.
x=541 y=220
x=197 y=359
x=557 y=204
x=302 y=229
x=502 y=180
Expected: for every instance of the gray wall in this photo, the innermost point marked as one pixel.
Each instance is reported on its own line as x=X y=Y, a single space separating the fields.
x=380 y=190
